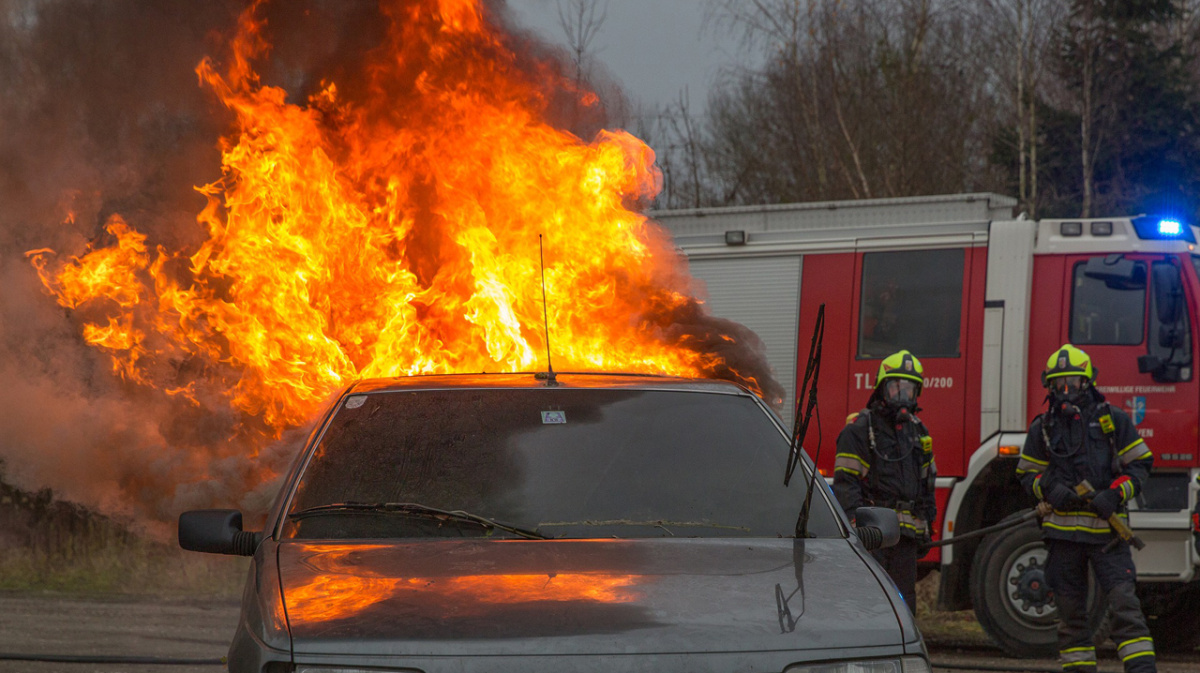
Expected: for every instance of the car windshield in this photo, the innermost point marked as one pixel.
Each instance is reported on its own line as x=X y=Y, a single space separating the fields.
x=562 y=463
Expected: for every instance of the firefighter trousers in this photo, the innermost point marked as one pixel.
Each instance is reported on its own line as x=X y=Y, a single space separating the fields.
x=1067 y=575
x=900 y=562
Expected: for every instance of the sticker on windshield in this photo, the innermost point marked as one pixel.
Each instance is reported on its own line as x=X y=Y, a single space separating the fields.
x=549 y=417
x=355 y=401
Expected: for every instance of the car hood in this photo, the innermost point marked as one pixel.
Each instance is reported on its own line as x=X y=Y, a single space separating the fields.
x=520 y=597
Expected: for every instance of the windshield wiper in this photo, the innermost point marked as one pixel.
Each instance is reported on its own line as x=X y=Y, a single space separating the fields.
x=417 y=510
x=800 y=428
x=652 y=524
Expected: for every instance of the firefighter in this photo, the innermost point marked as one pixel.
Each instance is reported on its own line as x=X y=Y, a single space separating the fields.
x=885 y=459
x=1081 y=437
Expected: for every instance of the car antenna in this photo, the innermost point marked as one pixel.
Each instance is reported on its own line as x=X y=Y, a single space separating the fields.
x=812 y=371
x=551 y=381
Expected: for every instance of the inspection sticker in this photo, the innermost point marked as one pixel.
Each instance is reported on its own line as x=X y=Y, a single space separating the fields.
x=549 y=417
x=355 y=401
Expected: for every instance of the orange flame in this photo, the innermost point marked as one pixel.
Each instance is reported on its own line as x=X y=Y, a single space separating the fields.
x=396 y=232
x=338 y=596
x=337 y=593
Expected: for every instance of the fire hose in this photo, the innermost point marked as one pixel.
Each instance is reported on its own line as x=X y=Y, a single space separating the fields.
x=1121 y=531
x=1041 y=510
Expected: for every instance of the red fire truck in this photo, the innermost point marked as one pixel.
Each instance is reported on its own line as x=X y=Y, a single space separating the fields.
x=983 y=298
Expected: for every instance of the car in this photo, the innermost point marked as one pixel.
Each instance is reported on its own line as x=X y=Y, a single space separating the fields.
x=562 y=522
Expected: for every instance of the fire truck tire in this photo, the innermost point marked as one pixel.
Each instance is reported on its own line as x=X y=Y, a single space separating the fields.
x=1008 y=590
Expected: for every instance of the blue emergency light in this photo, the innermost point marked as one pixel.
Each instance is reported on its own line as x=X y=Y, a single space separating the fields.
x=1170 y=227
x=1163 y=229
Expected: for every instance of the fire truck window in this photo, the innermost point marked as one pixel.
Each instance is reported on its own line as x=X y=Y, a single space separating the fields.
x=911 y=300
x=1108 y=311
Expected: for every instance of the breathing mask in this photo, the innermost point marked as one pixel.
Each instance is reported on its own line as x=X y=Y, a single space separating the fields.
x=1069 y=392
x=900 y=395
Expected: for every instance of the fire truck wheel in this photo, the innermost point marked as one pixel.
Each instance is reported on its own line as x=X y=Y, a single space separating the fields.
x=1008 y=590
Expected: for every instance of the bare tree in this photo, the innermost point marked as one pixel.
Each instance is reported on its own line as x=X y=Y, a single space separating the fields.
x=857 y=99
x=580 y=21
x=1014 y=40
x=1087 y=27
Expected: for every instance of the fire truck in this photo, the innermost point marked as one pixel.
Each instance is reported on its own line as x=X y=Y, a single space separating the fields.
x=983 y=298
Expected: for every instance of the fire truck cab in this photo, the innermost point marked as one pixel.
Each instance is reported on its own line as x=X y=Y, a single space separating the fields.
x=983 y=299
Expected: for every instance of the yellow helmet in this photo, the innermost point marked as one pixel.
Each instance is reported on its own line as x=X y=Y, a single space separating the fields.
x=1068 y=361
x=901 y=365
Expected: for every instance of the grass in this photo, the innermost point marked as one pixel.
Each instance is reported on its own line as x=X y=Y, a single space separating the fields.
x=47 y=545
x=138 y=568
x=945 y=628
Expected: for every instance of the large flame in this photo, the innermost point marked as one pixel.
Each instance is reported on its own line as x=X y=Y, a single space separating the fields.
x=344 y=587
x=326 y=597
x=398 y=231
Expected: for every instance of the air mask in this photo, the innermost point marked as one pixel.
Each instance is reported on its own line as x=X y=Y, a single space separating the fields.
x=900 y=395
x=1069 y=392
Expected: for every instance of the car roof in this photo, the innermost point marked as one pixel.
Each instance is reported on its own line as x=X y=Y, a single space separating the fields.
x=565 y=380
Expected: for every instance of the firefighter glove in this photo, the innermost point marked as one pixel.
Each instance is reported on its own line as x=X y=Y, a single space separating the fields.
x=1063 y=499
x=1106 y=502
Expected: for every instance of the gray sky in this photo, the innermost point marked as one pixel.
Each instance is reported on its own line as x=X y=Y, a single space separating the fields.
x=654 y=48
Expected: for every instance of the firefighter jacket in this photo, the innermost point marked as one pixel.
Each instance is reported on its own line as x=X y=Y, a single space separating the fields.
x=1099 y=444
x=887 y=463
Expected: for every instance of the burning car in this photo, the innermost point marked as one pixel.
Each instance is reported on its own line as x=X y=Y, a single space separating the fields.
x=579 y=522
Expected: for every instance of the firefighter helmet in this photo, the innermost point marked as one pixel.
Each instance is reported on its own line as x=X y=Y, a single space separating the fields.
x=1068 y=361
x=901 y=365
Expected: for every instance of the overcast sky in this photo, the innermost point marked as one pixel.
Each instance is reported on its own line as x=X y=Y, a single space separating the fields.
x=655 y=48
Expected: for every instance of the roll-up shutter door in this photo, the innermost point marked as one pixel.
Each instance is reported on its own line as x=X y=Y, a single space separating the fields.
x=762 y=293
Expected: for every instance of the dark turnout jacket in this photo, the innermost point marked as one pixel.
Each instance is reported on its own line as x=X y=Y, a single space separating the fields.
x=883 y=462
x=1099 y=444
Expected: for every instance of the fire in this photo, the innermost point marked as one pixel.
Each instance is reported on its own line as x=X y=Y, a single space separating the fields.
x=344 y=588
x=395 y=231
x=335 y=596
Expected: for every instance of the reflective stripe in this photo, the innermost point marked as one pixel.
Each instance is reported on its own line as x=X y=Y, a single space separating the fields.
x=1084 y=522
x=1126 y=490
x=911 y=521
x=1025 y=467
x=1037 y=488
x=1133 y=452
x=1138 y=647
x=1077 y=656
x=1027 y=464
x=1132 y=444
x=852 y=463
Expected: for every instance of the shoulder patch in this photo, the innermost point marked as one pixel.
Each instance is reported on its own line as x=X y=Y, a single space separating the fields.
x=851 y=418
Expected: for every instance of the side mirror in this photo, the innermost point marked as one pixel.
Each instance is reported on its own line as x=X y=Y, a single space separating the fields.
x=877 y=527
x=1117 y=272
x=1168 y=292
x=1163 y=372
x=216 y=531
